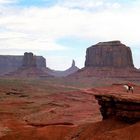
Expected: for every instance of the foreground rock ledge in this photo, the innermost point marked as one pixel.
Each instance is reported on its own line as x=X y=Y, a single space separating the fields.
x=124 y=107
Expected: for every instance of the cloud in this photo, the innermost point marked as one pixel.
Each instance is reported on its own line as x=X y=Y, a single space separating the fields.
x=56 y=22
x=7 y=1
x=39 y=28
x=22 y=42
x=90 y=4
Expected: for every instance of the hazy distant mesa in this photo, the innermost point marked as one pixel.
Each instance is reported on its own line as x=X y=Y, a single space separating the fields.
x=11 y=65
x=102 y=59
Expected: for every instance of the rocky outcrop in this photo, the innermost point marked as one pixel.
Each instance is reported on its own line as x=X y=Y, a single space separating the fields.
x=65 y=73
x=10 y=63
x=128 y=74
x=29 y=60
x=109 y=60
x=126 y=108
x=73 y=63
x=109 y=54
x=40 y=61
x=29 y=68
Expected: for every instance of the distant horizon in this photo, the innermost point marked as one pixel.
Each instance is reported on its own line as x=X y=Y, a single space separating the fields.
x=71 y=60
x=62 y=30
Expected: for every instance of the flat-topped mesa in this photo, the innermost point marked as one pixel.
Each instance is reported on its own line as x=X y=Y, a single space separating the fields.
x=29 y=60
x=10 y=63
x=112 y=54
x=110 y=43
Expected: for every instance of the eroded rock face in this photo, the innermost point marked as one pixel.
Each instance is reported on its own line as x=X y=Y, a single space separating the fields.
x=109 y=54
x=29 y=60
x=10 y=63
x=120 y=107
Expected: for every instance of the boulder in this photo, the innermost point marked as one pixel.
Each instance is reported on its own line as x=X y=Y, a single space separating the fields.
x=109 y=54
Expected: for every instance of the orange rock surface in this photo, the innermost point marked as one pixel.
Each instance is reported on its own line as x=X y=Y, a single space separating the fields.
x=27 y=112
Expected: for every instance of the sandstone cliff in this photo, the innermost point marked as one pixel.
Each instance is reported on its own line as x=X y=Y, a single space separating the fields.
x=10 y=63
x=28 y=68
x=123 y=107
x=109 y=60
x=29 y=60
x=109 y=54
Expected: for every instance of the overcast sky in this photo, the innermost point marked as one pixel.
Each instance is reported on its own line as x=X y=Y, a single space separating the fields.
x=61 y=30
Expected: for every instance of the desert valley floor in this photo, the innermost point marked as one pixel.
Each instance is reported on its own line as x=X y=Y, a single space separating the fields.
x=60 y=109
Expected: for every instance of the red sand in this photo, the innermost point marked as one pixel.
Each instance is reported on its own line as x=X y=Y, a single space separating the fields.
x=70 y=116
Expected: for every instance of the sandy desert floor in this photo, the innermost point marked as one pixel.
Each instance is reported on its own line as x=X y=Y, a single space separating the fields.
x=58 y=109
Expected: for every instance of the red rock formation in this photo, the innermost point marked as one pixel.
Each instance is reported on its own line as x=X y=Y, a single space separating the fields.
x=44 y=112
x=64 y=73
x=109 y=54
x=29 y=60
x=109 y=60
x=29 y=68
x=10 y=63
x=119 y=106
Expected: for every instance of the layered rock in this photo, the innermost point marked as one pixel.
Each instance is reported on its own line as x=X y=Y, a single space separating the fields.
x=29 y=68
x=29 y=60
x=126 y=108
x=109 y=54
x=10 y=63
x=109 y=60
x=128 y=74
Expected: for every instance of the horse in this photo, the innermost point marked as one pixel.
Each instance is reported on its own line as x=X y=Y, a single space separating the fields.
x=129 y=88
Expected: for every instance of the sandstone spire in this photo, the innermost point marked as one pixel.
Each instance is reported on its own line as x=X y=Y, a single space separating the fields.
x=73 y=63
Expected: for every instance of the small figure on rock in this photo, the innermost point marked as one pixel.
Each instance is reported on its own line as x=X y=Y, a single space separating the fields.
x=129 y=87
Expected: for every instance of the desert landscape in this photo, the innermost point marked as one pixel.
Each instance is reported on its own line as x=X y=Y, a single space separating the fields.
x=54 y=110
x=91 y=103
x=69 y=70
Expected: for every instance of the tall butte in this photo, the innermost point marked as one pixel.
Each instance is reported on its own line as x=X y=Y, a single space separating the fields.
x=112 y=54
x=29 y=67
x=111 y=60
x=29 y=60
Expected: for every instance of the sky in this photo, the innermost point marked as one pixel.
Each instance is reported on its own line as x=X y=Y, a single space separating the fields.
x=62 y=30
